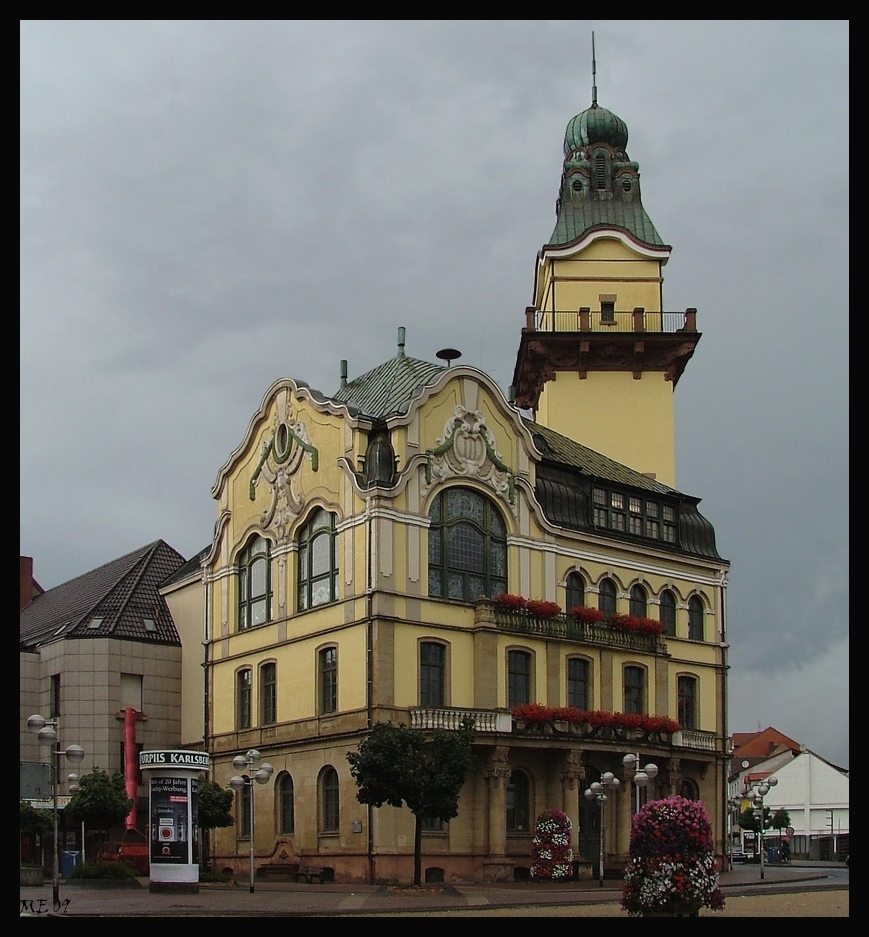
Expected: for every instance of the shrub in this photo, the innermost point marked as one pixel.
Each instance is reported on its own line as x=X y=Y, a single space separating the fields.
x=100 y=869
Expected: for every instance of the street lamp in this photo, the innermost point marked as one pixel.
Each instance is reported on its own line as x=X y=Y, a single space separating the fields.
x=596 y=792
x=642 y=776
x=239 y=782
x=760 y=791
x=46 y=732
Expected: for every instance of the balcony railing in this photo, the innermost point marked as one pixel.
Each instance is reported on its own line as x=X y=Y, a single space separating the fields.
x=697 y=740
x=451 y=719
x=586 y=320
x=565 y=626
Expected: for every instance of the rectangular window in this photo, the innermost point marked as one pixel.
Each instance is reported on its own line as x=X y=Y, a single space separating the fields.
x=54 y=704
x=329 y=680
x=635 y=690
x=243 y=699
x=518 y=678
x=577 y=683
x=432 y=666
x=268 y=694
x=607 y=310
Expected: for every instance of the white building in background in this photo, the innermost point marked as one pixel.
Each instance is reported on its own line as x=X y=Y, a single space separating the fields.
x=815 y=794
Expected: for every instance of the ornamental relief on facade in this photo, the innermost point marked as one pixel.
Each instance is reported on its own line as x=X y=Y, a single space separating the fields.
x=281 y=456
x=467 y=450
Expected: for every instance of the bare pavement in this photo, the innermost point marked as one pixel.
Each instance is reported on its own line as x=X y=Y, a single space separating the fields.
x=792 y=891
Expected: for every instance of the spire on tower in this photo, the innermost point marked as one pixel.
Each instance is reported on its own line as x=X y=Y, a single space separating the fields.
x=593 y=75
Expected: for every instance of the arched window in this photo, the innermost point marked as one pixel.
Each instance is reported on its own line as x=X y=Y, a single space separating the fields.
x=254 y=584
x=318 y=566
x=689 y=789
x=432 y=673
x=696 y=614
x=578 y=689
x=606 y=600
x=518 y=678
x=329 y=803
x=687 y=702
x=467 y=547
x=518 y=803
x=668 y=612
x=268 y=694
x=243 y=694
x=287 y=805
x=639 y=604
x=635 y=690
x=328 y=679
x=575 y=589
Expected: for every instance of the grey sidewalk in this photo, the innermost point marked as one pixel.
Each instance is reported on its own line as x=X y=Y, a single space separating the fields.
x=275 y=899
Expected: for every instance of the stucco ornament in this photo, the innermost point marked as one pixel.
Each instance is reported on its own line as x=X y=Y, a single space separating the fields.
x=467 y=449
x=280 y=458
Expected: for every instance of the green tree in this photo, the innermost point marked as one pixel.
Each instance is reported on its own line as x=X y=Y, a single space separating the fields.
x=781 y=820
x=101 y=800
x=31 y=823
x=396 y=765
x=214 y=808
x=748 y=821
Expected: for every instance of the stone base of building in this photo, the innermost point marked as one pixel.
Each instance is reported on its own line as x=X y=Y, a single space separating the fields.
x=498 y=870
x=174 y=888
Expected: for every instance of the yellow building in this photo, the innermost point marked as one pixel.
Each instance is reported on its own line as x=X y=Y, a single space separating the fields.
x=362 y=538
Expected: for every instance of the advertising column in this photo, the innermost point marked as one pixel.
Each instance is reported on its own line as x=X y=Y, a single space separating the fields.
x=173 y=817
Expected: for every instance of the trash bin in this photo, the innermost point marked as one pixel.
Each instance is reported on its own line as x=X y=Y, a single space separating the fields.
x=69 y=859
x=772 y=854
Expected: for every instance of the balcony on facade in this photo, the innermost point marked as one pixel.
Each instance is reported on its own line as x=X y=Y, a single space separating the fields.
x=568 y=628
x=586 y=320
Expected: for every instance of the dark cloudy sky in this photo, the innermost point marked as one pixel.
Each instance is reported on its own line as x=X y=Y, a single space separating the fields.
x=209 y=206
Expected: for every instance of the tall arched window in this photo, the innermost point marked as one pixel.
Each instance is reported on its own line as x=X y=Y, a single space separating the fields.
x=635 y=690
x=518 y=803
x=668 y=612
x=467 y=547
x=254 y=584
x=518 y=678
x=328 y=679
x=318 y=564
x=606 y=600
x=687 y=702
x=696 y=614
x=287 y=803
x=578 y=694
x=243 y=698
x=268 y=694
x=639 y=604
x=432 y=673
x=575 y=589
x=329 y=803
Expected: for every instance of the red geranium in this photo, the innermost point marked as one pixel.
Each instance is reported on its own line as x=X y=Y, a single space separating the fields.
x=506 y=600
x=543 y=609
x=585 y=615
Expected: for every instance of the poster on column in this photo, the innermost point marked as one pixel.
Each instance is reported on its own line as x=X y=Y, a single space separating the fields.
x=170 y=820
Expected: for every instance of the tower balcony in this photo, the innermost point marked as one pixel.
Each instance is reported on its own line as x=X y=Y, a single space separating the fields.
x=607 y=322
x=582 y=341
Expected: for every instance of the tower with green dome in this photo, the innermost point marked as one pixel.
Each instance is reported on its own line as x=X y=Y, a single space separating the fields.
x=599 y=357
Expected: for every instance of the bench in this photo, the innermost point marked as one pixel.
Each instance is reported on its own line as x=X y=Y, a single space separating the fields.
x=308 y=873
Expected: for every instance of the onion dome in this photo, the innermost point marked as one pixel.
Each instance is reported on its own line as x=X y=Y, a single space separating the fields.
x=595 y=125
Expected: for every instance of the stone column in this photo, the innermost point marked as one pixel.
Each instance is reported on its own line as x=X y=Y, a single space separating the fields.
x=572 y=776
x=496 y=866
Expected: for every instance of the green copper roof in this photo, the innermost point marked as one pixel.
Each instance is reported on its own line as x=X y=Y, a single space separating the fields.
x=558 y=448
x=596 y=125
x=576 y=218
x=389 y=388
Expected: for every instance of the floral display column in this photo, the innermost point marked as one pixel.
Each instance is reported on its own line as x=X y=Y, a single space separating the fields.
x=552 y=857
x=672 y=870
